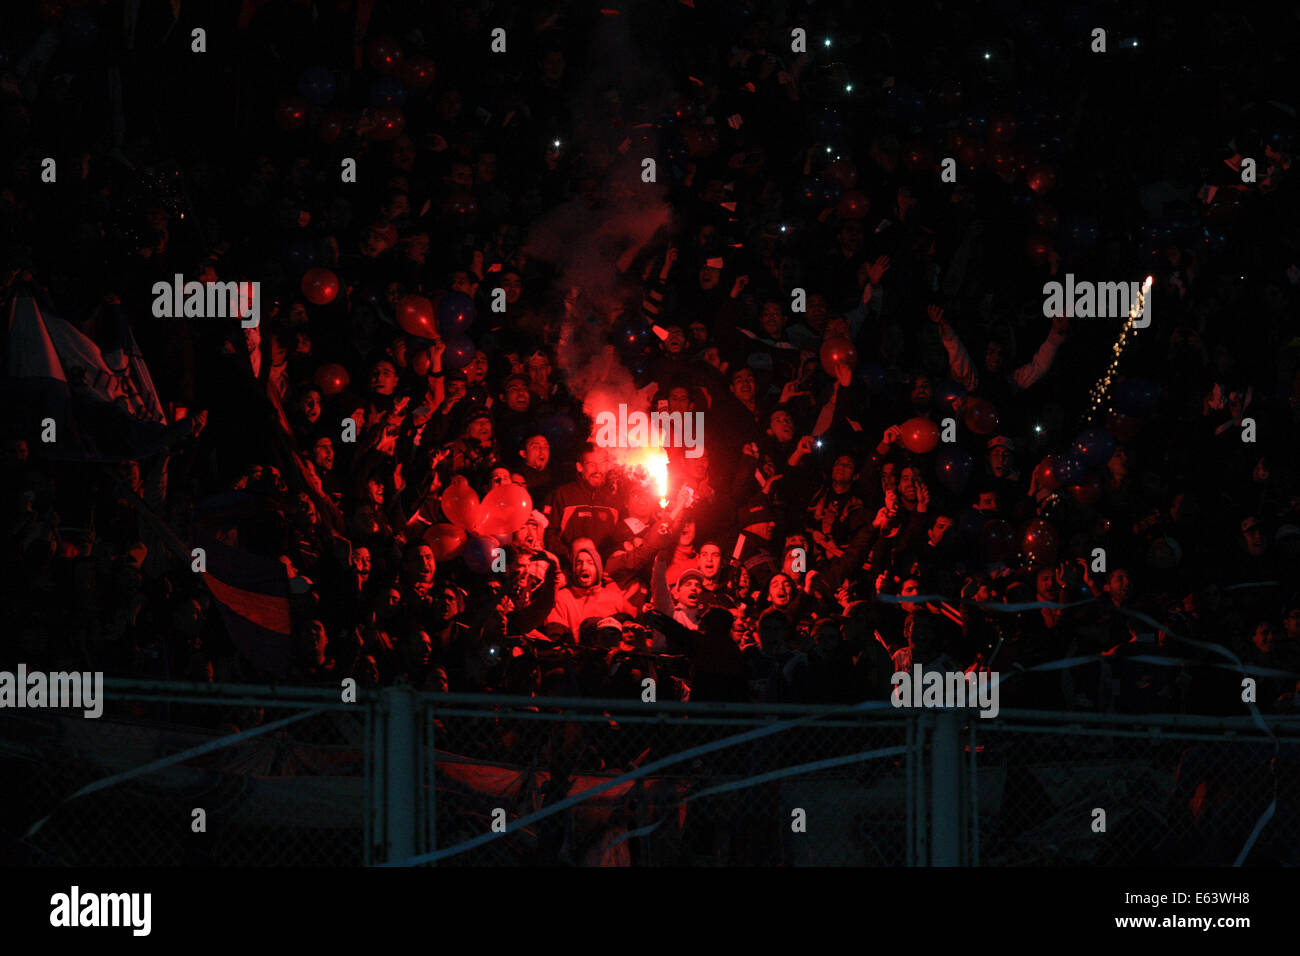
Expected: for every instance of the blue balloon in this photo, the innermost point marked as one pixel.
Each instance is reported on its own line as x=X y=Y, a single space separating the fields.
x=1022 y=196
x=975 y=124
x=455 y=314
x=460 y=352
x=316 y=86
x=829 y=119
x=1094 y=447
x=969 y=522
x=1027 y=23
x=1070 y=468
x=830 y=193
x=480 y=549
x=1080 y=231
x=908 y=104
x=872 y=376
x=559 y=429
x=387 y=91
x=809 y=191
x=1136 y=397
x=631 y=334
x=300 y=255
x=953 y=468
x=80 y=29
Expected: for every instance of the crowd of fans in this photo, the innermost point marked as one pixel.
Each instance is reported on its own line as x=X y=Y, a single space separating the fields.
x=780 y=566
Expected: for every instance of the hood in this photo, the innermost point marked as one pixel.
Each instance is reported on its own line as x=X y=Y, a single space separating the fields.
x=581 y=545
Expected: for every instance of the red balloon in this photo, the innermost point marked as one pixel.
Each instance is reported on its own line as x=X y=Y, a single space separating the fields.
x=1002 y=127
x=1041 y=179
x=1088 y=491
x=950 y=93
x=460 y=503
x=836 y=352
x=415 y=315
x=1039 y=249
x=333 y=126
x=997 y=541
x=387 y=123
x=980 y=416
x=419 y=72
x=1000 y=160
x=1123 y=427
x=853 y=205
x=505 y=510
x=1045 y=474
x=917 y=157
x=331 y=378
x=291 y=113
x=320 y=286
x=1045 y=218
x=843 y=173
x=461 y=204
x=1039 y=542
x=385 y=55
x=701 y=139
x=445 y=539
x=920 y=435
x=971 y=153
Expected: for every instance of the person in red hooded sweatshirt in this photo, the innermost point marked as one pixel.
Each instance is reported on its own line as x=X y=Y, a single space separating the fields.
x=588 y=593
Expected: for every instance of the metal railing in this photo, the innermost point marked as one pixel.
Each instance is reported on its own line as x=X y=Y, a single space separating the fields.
x=298 y=776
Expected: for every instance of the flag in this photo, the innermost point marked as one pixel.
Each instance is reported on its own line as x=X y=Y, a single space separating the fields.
x=103 y=404
x=253 y=595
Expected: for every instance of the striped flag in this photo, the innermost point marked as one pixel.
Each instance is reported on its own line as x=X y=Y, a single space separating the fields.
x=253 y=594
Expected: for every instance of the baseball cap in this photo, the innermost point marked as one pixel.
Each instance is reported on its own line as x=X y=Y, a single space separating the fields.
x=756 y=512
x=690 y=574
x=1001 y=441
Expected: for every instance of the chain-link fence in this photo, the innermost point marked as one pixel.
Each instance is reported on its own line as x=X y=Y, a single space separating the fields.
x=299 y=777
x=1076 y=790
x=608 y=783
x=261 y=781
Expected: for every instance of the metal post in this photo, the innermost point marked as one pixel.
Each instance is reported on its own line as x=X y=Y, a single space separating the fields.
x=399 y=774
x=430 y=780
x=922 y=725
x=911 y=789
x=945 y=789
x=974 y=785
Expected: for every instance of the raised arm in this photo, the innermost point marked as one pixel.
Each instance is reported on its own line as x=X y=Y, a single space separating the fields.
x=959 y=363
x=1037 y=367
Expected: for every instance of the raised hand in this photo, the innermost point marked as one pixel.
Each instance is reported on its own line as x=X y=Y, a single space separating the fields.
x=877 y=269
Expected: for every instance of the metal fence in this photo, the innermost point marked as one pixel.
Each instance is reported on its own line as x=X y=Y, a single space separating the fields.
x=300 y=777
x=188 y=776
x=613 y=783
x=1110 y=790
